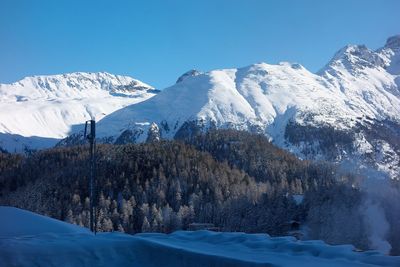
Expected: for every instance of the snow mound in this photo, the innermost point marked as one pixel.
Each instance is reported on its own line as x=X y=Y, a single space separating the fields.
x=17 y=223
x=70 y=245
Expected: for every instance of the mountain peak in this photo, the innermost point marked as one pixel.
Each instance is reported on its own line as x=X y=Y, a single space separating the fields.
x=49 y=107
x=355 y=57
x=190 y=73
x=83 y=81
x=351 y=50
x=393 y=42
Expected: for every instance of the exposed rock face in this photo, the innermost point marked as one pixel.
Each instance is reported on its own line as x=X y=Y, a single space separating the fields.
x=154 y=133
x=190 y=73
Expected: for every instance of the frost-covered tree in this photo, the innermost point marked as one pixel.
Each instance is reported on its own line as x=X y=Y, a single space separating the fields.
x=146 y=225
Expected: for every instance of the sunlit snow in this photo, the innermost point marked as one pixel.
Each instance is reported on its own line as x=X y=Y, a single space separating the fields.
x=38 y=111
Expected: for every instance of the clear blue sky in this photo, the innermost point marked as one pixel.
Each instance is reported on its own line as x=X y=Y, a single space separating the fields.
x=156 y=41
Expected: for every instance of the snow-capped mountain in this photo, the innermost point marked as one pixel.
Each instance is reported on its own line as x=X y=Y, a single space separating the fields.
x=36 y=112
x=347 y=112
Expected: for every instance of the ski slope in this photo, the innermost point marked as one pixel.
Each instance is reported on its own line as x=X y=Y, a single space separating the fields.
x=28 y=239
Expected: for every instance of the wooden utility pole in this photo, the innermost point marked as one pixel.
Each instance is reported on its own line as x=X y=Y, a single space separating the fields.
x=92 y=140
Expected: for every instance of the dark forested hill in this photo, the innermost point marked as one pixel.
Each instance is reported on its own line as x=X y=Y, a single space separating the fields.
x=267 y=163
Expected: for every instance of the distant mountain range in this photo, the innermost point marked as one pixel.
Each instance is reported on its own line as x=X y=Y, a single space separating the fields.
x=348 y=112
x=37 y=112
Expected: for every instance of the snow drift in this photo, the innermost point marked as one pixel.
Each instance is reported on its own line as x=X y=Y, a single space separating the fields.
x=19 y=223
x=24 y=243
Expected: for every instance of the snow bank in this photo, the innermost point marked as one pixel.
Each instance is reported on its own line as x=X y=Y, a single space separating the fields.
x=69 y=245
x=15 y=222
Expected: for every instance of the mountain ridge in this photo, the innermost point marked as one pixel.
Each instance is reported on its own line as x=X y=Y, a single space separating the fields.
x=46 y=109
x=335 y=114
x=352 y=95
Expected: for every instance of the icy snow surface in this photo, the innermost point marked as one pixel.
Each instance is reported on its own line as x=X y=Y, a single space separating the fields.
x=28 y=239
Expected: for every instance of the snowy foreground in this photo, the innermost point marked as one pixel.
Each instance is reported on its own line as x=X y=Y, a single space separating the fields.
x=28 y=239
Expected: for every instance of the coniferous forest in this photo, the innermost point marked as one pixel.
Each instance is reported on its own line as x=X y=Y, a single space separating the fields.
x=235 y=180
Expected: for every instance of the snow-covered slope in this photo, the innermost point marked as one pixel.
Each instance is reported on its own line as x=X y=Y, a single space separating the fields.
x=38 y=111
x=19 y=223
x=338 y=114
x=24 y=242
